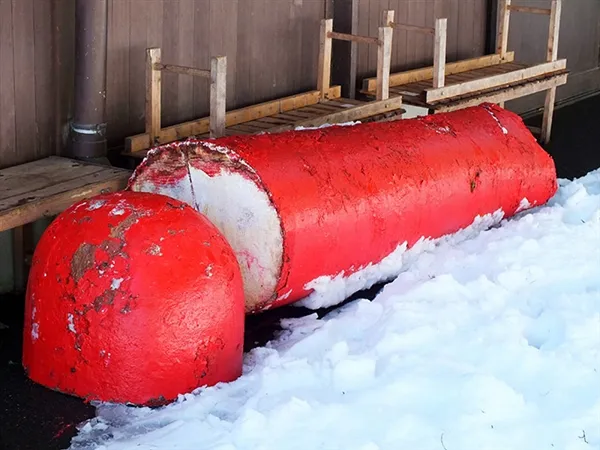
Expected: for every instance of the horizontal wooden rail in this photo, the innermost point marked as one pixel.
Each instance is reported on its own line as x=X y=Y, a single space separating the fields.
x=141 y=142
x=426 y=73
x=467 y=87
x=529 y=9
x=182 y=70
x=353 y=38
x=406 y=27
x=504 y=94
x=351 y=114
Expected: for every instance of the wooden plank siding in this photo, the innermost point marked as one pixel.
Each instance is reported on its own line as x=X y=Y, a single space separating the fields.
x=579 y=43
x=410 y=50
x=271 y=48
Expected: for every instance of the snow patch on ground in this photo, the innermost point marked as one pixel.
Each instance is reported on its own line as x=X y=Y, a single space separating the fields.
x=492 y=342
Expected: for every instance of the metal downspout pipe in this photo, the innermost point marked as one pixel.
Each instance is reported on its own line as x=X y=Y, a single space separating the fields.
x=88 y=127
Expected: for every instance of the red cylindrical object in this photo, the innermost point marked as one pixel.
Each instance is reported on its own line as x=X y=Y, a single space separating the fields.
x=301 y=205
x=133 y=298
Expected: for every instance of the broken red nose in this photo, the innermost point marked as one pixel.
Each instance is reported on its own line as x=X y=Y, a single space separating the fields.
x=133 y=298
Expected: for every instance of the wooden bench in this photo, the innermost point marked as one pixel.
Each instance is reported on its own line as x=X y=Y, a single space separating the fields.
x=494 y=78
x=46 y=187
x=324 y=105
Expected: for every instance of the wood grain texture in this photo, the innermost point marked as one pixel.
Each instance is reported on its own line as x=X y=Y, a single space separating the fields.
x=24 y=78
x=47 y=187
x=8 y=147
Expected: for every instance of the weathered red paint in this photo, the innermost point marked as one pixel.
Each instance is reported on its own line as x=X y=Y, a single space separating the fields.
x=133 y=298
x=348 y=196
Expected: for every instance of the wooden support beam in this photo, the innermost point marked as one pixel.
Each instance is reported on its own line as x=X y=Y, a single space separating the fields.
x=436 y=94
x=384 y=61
x=218 y=96
x=137 y=144
x=503 y=26
x=426 y=73
x=503 y=95
x=415 y=28
x=348 y=115
x=353 y=38
x=388 y=18
x=552 y=55
x=183 y=70
x=528 y=9
x=439 y=52
x=324 y=75
x=153 y=81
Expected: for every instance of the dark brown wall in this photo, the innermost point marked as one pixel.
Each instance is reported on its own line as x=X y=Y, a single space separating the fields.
x=271 y=48
x=466 y=31
x=36 y=47
x=579 y=42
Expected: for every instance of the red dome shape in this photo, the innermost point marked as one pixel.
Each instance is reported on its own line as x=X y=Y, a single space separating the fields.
x=133 y=298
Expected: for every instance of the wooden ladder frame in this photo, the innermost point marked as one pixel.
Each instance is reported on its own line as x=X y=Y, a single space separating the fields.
x=506 y=7
x=384 y=54
x=218 y=92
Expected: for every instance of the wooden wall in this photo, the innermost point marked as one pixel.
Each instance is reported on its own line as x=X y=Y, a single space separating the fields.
x=271 y=48
x=579 y=42
x=36 y=69
x=467 y=20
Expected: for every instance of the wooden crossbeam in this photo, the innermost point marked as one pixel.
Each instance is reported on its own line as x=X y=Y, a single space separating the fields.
x=182 y=70
x=348 y=115
x=415 y=28
x=505 y=94
x=530 y=10
x=353 y=38
x=141 y=142
x=436 y=94
x=426 y=73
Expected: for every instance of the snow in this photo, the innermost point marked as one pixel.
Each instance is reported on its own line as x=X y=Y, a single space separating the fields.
x=489 y=340
x=246 y=217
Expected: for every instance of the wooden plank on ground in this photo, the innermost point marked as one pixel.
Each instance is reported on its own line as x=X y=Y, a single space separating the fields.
x=426 y=73
x=348 y=115
x=434 y=95
x=29 y=205
x=140 y=142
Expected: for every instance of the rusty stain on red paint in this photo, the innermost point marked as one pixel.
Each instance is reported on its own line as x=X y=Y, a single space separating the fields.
x=101 y=292
x=347 y=197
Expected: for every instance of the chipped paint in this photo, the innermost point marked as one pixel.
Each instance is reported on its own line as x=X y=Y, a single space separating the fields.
x=109 y=301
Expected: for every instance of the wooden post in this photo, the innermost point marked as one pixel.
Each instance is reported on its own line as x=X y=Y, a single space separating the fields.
x=503 y=26
x=153 y=80
x=388 y=18
x=439 y=52
x=552 y=55
x=218 y=96
x=324 y=76
x=384 y=61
